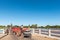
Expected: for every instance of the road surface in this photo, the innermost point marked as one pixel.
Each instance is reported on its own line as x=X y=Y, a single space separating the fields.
x=14 y=37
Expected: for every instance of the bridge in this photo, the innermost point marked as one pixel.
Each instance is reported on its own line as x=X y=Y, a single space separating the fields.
x=37 y=34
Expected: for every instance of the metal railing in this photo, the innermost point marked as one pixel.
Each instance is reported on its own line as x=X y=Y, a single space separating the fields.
x=54 y=33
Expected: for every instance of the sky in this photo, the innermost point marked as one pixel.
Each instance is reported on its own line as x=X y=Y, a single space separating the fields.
x=41 y=12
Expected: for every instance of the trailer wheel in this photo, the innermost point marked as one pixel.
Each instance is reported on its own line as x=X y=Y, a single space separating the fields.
x=19 y=34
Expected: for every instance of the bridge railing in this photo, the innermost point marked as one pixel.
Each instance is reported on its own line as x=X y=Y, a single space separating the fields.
x=54 y=33
x=1 y=31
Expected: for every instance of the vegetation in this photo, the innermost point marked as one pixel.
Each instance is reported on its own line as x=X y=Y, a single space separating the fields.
x=1 y=27
x=32 y=26
x=36 y=26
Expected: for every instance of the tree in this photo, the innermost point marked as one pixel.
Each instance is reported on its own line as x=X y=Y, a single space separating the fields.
x=34 y=26
x=2 y=26
x=8 y=26
x=48 y=26
x=29 y=26
x=16 y=26
x=25 y=26
x=42 y=27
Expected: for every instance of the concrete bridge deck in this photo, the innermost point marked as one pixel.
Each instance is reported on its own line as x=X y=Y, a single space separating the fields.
x=34 y=37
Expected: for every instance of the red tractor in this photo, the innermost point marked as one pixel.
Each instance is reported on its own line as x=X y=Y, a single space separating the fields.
x=17 y=31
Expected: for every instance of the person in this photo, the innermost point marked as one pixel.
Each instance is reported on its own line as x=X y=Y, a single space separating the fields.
x=21 y=31
x=7 y=31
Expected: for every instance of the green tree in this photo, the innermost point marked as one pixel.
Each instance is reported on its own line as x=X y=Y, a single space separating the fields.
x=29 y=26
x=48 y=26
x=41 y=27
x=34 y=26
x=16 y=26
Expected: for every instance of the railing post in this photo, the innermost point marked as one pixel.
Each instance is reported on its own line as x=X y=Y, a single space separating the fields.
x=39 y=31
x=33 y=31
x=49 y=32
x=3 y=31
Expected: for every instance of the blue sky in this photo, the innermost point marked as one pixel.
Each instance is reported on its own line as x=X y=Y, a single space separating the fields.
x=41 y=12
